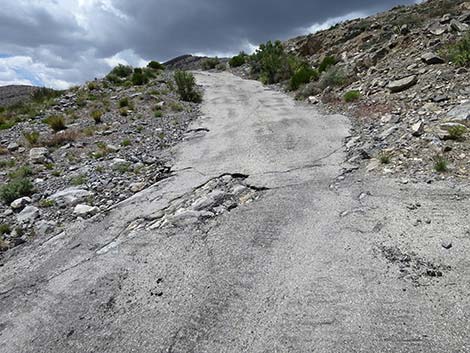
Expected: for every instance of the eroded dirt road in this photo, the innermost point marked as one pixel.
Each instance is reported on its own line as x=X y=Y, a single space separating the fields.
x=260 y=242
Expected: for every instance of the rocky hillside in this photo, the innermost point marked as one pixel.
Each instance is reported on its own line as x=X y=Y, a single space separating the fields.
x=410 y=100
x=78 y=153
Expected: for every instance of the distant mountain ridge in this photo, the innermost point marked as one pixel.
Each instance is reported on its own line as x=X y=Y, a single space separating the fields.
x=12 y=94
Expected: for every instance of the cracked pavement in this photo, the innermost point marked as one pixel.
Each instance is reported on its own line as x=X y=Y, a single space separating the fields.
x=318 y=258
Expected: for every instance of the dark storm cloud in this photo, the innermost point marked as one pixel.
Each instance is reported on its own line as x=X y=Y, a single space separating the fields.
x=73 y=40
x=169 y=28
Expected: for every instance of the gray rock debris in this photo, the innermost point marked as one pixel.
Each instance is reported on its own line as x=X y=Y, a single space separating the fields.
x=20 y=203
x=38 y=155
x=85 y=210
x=28 y=215
x=432 y=59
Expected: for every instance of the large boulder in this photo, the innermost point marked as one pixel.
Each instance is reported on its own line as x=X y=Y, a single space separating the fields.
x=432 y=59
x=403 y=84
x=85 y=210
x=20 y=203
x=70 y=197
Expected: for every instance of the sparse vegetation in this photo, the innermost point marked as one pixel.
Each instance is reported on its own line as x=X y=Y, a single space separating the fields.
x=158 y=114
x=21 y=173
x=61 y=138
x=56 y=123
x=124 y=102
x=303 y=75
x=186 y=84
x=121 y=71
x=4 y=229
x=155 y=65
x=441 y=165
x=333 y=76
x=457 y=132
x=96 y=116
x=78 y=180
x=210 y=63
x=15 y=189
x=385 y=157
x=126 y=143
x=326 y=63
x=459 y=53
x=271 y=64
x=352 y=96
x=238 y=60
x=32 y=138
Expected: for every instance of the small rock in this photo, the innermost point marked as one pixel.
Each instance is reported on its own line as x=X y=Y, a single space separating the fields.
x=417 y=129
x=29 y=214
x=446 y=244
x=44 y=228
x=403 y=84
x=460 y=114
x=38 y=155
x=20 y=203
x=432 y=59
x=13 y=146
x=136 y=187
x=85 y=210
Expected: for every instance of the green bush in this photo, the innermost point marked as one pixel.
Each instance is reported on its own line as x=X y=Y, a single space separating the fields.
x=31 y=137
x=4 y=229
x=303 y=75
x=238 y=60
x=122 y=71
x=15 y=189
x=385 y=157
x=441 y=164
x=352 y=96
x=272 y=64
x=56 y=123
x=333 y=77
x=186 y=84
x=459 y=53
x=326 y=63
x=457 y=132
x=96 y=116
x=155 y=65
x=124 y=102
x=21 y=173
x=139 y=78
x=210 y=63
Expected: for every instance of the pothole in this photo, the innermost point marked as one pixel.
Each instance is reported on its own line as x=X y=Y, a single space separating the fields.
x=217 y=196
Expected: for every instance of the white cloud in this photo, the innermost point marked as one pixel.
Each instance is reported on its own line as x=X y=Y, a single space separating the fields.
x=332 y=21
x=126 y=57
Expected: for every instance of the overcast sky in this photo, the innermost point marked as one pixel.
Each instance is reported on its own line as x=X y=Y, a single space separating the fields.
x=58 y=43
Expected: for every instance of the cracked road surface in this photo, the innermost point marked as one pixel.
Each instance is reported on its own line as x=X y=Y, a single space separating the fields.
x=304 y=262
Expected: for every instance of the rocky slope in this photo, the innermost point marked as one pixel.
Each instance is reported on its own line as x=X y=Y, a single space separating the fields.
x=114 y=144
x=411 y=95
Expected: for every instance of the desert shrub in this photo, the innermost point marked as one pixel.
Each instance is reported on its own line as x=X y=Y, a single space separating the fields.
x=93 y=85
x=333 y=77
x=96 y=115
x=124 y=111
x=126 y=143
x=304 y=74
x=158 y=114
x=186 y=84
x=78 y=180
x=310 y=89
x=56 y=123
x=326 y=63
x=272 y=64
x=4 y=229
x=238 y=60
x=3 y=151
x=115 y=79
x=124 y=102
x=32 y=138
x=210 y=63
x=138 y=77
x=175 y=106
x=457 y=132
x=42 y=94
x=122 y=71
x=15 y=189
x=385 y=157
x=441 y=165
x=459 y=53
x=21 y=173
x=155 y=65
x=352 y=96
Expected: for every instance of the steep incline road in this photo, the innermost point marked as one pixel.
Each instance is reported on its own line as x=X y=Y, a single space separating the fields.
x=296 y=259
